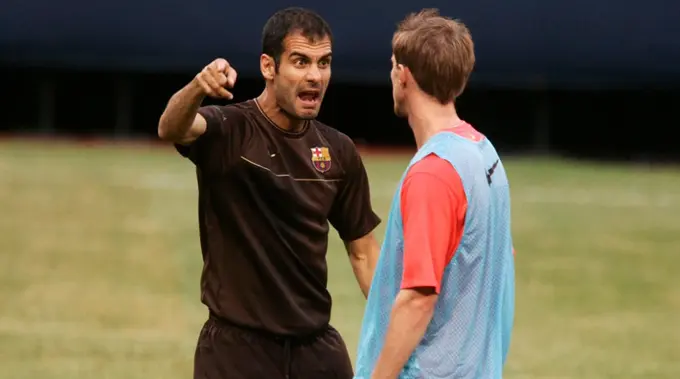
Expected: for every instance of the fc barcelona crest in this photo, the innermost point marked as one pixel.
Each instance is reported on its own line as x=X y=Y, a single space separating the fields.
x=321 y=159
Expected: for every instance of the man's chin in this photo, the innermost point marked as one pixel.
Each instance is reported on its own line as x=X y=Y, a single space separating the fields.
x=307 y=114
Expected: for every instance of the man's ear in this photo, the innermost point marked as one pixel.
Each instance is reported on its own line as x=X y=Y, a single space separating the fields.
x=403 y=74
x=267 y=67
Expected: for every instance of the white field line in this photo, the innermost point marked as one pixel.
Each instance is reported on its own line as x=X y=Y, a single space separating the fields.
x=74 y=330
x=167 y=181
x=611 y=198
x=597 y=197
x=384 y=191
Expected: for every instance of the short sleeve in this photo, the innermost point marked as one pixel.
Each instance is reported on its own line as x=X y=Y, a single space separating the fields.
x=221 y=143
x=352 y=213
x=433 y=207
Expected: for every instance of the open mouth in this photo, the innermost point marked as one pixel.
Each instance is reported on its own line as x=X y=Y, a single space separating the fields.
x=309 y=98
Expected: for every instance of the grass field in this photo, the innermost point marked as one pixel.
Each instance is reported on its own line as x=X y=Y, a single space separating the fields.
x=99 y=265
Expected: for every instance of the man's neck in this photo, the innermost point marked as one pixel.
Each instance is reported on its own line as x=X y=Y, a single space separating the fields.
x=427 y=118
x=268 y=105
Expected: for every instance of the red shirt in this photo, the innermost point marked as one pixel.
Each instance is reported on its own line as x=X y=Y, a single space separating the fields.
x=433 y=206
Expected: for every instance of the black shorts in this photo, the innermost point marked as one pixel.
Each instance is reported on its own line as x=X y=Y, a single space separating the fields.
x=225 y=351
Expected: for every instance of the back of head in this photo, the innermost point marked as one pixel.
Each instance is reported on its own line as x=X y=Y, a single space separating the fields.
x=288 y=21
x=437 y=50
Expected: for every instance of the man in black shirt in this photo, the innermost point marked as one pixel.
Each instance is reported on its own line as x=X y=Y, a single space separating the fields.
x=270 y=178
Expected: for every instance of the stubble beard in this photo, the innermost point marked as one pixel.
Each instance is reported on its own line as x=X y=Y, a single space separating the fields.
x=287 y=106
x=399 y=110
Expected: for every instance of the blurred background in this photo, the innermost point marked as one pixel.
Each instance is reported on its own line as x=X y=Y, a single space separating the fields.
x=99 y=249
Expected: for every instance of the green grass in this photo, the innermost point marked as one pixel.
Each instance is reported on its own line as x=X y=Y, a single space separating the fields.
x=99 y=265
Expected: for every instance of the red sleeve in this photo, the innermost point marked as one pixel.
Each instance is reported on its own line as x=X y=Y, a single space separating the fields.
x=433 y=206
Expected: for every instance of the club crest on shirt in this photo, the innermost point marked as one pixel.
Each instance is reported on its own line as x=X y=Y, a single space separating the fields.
x=321 y=158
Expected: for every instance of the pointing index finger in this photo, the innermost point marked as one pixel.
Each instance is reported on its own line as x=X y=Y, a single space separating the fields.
x=221 y=65
x=231 y=76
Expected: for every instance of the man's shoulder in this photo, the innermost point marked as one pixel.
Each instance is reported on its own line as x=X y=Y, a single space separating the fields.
x=432 y=165
x=229 y=120
x=223 y=113
x=335 y=138
x=433 y=174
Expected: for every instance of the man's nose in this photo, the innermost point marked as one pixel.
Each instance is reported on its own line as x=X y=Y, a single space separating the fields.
x=313 y=74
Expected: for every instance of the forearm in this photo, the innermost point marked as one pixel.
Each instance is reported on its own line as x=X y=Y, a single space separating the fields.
x=363 y=268
x=180 y=113
x=411 y=314
x=363 y=255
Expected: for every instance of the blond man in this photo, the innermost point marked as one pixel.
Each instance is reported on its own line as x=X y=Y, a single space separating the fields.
x=441 y=303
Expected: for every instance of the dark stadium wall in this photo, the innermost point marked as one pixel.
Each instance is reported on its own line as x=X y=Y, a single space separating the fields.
x=587 y=78
x=635 y=124
x=576 y=43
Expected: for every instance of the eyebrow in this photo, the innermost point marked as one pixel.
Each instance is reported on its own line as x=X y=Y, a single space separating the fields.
x=299 y=54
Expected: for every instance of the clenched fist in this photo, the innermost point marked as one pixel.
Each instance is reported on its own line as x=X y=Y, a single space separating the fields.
x=216 y=77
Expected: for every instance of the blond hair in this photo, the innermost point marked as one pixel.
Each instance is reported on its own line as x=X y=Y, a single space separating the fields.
x=438 y=51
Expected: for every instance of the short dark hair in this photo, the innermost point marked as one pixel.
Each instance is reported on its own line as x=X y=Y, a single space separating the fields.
x=290 y=20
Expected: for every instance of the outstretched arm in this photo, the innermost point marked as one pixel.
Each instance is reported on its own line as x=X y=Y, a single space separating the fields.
x=180 y=122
